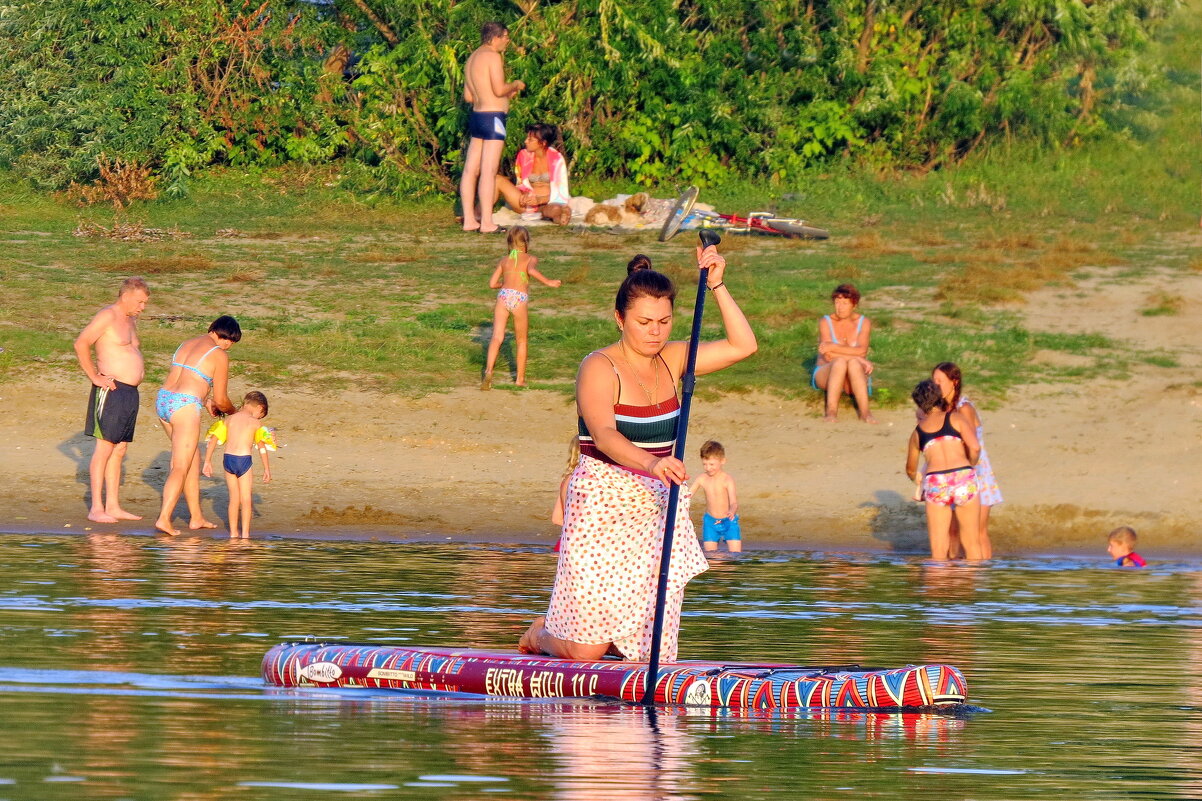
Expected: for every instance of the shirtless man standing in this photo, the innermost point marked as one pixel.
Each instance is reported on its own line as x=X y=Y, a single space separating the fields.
x=485 y=88
x=113 y=405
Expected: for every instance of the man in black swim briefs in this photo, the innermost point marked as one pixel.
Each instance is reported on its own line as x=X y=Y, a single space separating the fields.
x=113 y=402
x=487 y=125
x=488 y=92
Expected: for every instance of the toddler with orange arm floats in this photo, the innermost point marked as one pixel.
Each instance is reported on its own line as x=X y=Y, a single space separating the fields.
x=242 y=435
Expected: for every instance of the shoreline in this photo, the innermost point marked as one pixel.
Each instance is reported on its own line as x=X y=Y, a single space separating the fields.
x=434 y=471
x=1085 y=553
x=1074 y=458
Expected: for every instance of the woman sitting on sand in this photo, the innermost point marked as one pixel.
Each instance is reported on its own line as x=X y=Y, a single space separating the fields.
x=199 y=367
x=542 y=178
x=605 y=582
x=842 y=365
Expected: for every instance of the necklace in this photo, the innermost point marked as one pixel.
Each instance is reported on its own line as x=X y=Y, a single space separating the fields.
x=651 y=396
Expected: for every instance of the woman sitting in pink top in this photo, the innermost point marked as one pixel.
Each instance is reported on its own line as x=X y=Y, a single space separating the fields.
x=542 y=178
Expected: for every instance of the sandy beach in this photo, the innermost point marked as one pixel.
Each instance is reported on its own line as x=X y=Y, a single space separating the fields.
x=1073 y=459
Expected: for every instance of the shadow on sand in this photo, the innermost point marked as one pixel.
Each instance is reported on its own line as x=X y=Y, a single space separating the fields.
x=898 y=522
x=482 y=335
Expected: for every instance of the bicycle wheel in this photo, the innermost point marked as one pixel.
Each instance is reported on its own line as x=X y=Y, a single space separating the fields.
x=680 y=210
x=796 y=228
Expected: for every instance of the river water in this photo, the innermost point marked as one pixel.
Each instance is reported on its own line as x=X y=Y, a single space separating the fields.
x=129 y=668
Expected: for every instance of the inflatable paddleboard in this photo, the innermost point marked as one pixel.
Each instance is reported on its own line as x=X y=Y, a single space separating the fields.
x=716 y=685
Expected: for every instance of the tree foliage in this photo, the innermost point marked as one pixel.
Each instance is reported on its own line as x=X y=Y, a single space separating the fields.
x=176 y=85
x=650 y=91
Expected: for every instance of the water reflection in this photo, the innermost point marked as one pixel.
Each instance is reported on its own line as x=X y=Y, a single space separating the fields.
x=129 y=667
x=950 y=636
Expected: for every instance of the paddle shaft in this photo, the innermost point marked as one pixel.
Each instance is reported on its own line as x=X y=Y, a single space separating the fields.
x=687 y=381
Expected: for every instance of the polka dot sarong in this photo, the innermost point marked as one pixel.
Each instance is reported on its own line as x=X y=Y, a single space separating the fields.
x=991 y=494
x=608 y=567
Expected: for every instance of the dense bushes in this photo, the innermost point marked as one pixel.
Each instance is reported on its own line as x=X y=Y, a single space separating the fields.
x=175 y=85
x=649 y=91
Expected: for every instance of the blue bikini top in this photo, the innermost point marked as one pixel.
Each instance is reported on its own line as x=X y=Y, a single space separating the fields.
x=208 y=379
x=835 y=339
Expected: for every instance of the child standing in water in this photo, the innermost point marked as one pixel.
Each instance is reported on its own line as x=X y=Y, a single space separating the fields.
x=1121 y=548
x=949 y=379
x=946 y=439
x=512 y=278
x=242 y=435
x=721 y=521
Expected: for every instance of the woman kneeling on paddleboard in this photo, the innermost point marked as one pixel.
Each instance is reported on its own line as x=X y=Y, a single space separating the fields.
x=605 y=582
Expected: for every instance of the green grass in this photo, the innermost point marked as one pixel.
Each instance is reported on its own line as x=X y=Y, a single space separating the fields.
x=336 y=290
x=333 y=294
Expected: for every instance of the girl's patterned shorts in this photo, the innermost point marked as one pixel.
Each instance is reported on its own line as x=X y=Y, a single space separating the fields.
x=951 y=488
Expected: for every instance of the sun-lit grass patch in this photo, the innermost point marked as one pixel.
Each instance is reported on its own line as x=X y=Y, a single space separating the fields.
x=844 y=272
x=578 y=274
x=930 y=239
x=1010 y=242
x=1162 y=304
x=988 y=278
x=1070 y=244
x=161 y=265
x=590 y=240
x=943 y=257
x=245 y=276
x=871 y=243
x=397 y=255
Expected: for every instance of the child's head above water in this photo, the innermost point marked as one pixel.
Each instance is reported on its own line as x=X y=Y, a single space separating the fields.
x=518 y=239
x=257 y=401
x=1121 y=541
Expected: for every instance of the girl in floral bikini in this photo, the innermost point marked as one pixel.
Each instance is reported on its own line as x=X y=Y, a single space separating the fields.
x=512 y=278
x=949 y=379
x=946 y=438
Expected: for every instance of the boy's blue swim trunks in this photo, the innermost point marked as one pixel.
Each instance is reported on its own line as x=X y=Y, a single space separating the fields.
x=715 y=529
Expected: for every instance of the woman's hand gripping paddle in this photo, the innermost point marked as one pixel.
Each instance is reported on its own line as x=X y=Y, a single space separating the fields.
x=709 y=238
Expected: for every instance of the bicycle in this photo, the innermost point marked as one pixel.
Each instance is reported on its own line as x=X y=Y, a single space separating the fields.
x=756 y=222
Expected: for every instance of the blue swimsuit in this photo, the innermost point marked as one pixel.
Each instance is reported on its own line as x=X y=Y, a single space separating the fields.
x=717 y=529
x=835 y=340
x=237 y=466
x=167 y=403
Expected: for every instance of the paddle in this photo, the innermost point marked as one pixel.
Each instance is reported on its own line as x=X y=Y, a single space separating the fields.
x=687 y=381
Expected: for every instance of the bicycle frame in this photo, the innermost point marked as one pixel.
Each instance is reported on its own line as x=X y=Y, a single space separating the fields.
x=759 y=222
x=754 y=221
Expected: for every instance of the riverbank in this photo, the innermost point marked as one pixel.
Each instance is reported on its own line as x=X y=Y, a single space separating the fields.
x=1074 y=458
x=1073 y=308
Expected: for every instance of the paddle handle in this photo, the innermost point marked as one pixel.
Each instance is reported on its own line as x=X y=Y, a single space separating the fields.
x=687 y=382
